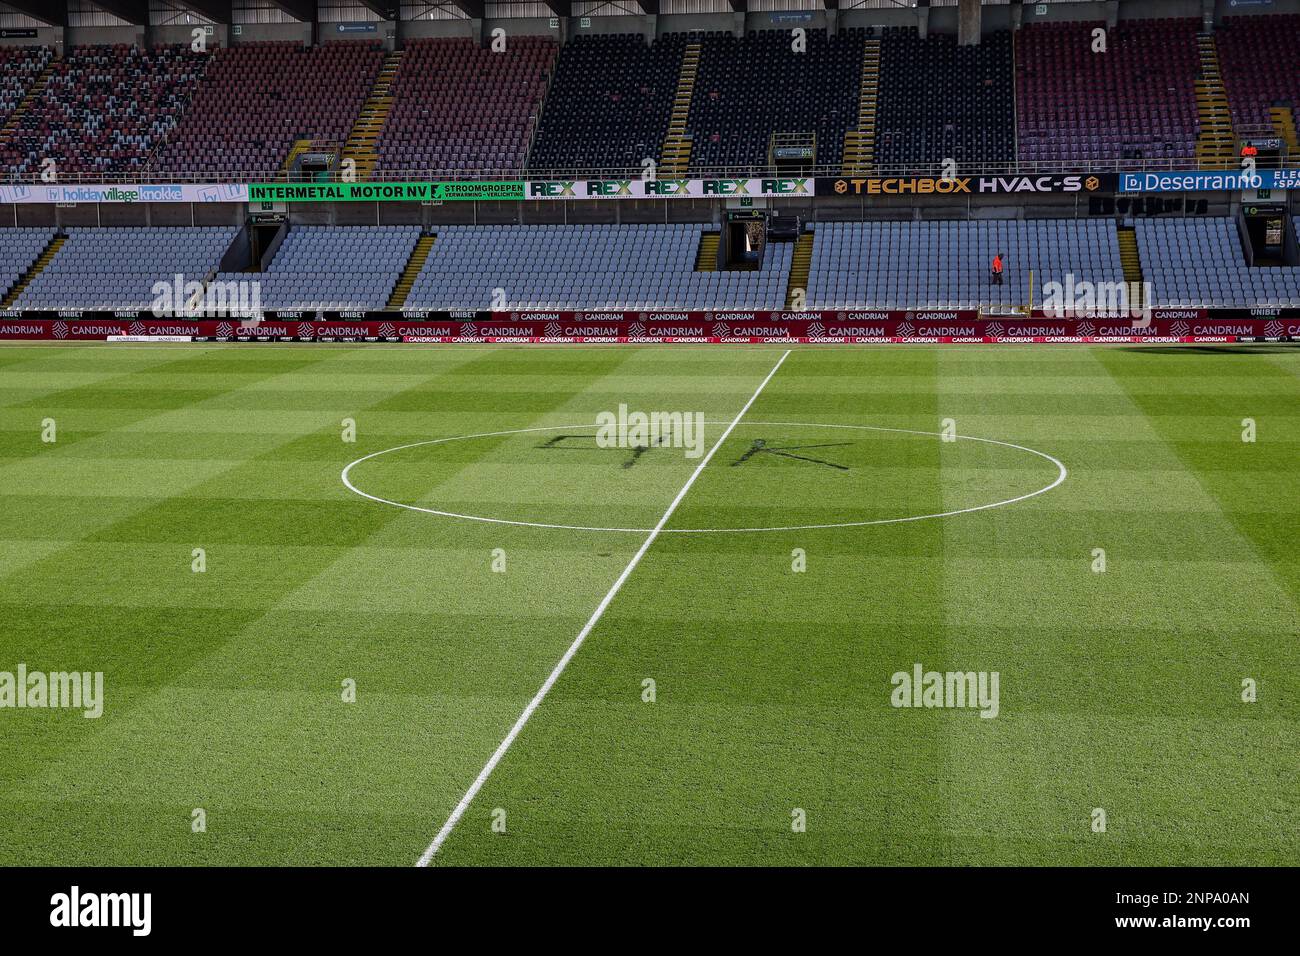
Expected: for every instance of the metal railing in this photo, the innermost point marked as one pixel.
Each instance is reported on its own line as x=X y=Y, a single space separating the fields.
x=935 y=170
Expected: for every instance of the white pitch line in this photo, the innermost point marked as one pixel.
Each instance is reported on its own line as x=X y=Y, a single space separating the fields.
x=596 y=615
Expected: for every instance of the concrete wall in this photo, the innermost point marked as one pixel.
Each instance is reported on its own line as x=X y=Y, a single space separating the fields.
x=385 y=31
x=523 y=26
x=260 y=32
x=45 y=36
x=439 y=28
x=704 y=22
x=172 y=35
x=94 y=36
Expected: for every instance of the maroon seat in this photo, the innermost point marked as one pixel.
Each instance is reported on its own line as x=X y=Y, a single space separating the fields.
x=105 y=109
x=1136 y=101
x=1260 y=61
x=256 y=99
x=459 y=106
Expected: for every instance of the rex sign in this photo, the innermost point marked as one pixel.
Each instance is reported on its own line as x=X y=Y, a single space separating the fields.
x=668 y=188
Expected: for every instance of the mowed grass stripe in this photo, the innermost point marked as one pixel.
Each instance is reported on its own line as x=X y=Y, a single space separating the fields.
x=80 y=405
x=760 y=708
x=216 y=620
x=1120 y=690
x=137 y=635
x=31 y=586
x=1011 y=791
x=451 y=765
x=417 y=726
x=1245 y=479
x=1136 y=693
x=283 y=578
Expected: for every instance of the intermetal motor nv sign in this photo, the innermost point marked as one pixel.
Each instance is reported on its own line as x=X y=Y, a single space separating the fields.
x=340 y=192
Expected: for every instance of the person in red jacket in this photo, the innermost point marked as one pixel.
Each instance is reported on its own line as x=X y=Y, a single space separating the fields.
x=997 y=269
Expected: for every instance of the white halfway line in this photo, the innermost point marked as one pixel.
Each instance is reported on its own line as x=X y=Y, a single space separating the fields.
x=596 y=615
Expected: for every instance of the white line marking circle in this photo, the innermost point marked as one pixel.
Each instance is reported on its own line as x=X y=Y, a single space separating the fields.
x=1062 y=473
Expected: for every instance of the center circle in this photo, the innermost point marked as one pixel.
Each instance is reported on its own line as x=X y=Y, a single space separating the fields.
x=584 y=428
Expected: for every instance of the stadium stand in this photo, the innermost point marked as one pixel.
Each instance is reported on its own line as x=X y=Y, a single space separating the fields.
x=117 y=267
x=589 y=267
x=1199 y=262
x=1135 y=101
x=605 y=101
x=939 y=101
x=1260 y=57
x=257 y=99
x=750 y=88
x=20 y=66
x=18 y=250
x=334 y=267
x=609 y=102
x=458 y=106
x=947 y=265
x=105 y=109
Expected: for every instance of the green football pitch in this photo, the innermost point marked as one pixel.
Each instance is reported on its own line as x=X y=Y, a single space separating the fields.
x=296 y=671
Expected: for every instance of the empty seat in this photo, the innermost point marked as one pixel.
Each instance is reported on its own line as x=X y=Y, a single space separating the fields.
x=947 y=264
x=589 y=267
x=1135 y=100
x=120 y=267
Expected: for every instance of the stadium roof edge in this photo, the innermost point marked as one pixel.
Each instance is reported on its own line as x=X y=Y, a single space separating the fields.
x=132 y=11
x=218 y=11
x=475 y=9
x=388 y=9
x=304 y=11
x=56 y=17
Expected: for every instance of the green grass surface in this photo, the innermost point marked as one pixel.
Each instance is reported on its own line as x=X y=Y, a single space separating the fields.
x=1119 y=690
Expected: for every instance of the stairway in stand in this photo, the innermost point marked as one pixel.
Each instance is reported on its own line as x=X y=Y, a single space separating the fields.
x=363 y=142
x=860 y=143
x=34 y=94
x=407 y=279
x=800 y=267
x=706 y=260
x=1216 y=145
x=36 y=269
x=1131 y=259
x=1284 y=125
x=675 y=156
